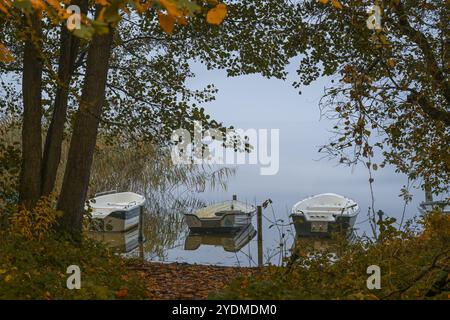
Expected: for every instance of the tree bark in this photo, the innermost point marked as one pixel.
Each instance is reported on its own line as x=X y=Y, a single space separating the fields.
x=30 y=177
x=78 y=168
x=53 y=142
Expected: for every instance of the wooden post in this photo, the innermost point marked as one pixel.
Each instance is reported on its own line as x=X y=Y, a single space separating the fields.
x=141 y=224
x=260 y=238
x=380 y=215
x=428 y=192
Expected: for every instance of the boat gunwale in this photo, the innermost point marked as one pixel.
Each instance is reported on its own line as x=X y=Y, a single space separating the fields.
x=343 y=212
x=218 y=218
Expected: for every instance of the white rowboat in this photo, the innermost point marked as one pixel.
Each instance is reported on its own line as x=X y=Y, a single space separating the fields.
x=116 y=212
x=227 y=216
x=322 y=214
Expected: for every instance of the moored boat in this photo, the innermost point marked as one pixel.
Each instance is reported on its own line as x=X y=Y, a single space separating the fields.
x=428 y=206
x=323 y=214
x=115 y=212
x=227 y=216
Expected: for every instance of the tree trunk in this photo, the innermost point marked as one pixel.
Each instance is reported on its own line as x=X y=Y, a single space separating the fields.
x=30 y=177
x=53 y=142
x=78 y=168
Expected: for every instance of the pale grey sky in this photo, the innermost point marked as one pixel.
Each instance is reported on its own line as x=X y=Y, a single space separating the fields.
x=255 y=102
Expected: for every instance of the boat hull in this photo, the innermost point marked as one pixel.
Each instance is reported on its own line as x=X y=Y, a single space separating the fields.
x=115 y=212
x=118 y=221
x=322 y=229
x=227 y=223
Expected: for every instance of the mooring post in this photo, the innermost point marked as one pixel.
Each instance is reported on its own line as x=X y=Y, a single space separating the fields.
x=260 y=238
x=141 y=224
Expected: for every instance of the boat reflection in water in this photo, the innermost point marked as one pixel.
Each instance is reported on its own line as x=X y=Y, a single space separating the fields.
x=231 y=242
x=123 y=242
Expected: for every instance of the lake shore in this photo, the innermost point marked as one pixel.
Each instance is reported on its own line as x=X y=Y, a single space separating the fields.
x=166 y=281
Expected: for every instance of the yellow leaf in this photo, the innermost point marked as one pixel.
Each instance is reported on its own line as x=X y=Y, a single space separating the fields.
x=38 y=5
x=4 y=9
x=391 y=63
x=166 y=22
x=5 y=54
x=336 y=4
x=8 y=278
x=217 y=14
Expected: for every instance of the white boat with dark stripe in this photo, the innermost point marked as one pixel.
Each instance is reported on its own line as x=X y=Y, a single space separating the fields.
x=115 y=212
x=322 y=214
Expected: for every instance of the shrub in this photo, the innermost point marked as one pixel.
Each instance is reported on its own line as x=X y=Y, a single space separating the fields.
x=31 y=269
x=414 y=263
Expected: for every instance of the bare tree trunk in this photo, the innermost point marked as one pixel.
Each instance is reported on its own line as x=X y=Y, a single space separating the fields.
x=30 y=177
x=78 y=168
x=53 y=142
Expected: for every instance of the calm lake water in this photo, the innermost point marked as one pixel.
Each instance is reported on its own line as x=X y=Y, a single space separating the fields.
x=253 y=102
x=168 y=238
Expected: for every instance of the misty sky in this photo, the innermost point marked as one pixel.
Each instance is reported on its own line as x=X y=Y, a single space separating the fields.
x=256 y=102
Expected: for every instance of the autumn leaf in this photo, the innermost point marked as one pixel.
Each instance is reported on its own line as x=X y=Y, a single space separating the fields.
x=391 y=63
x=324 y=2
x=217 y=14
x=3 y=9
x=336 y=4
x=103 y=3
x=5 y=5
x=122 y=292
x=166 y=22
x=5 y=54
x=171 y=8
x=38 y=5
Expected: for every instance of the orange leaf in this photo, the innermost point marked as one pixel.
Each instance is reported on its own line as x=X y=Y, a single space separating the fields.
x=38 y=5
x=391 y=63
x=122 y=292
x=166 y=22
x=171 y=8
x=324 y=1
x=336 y=4
x=103 y=3
x=182 y=21
x=217 y=14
